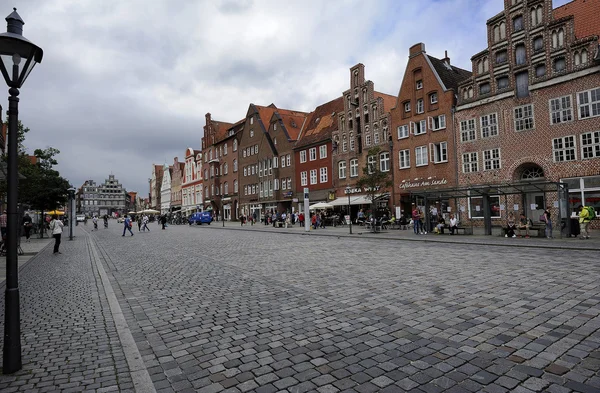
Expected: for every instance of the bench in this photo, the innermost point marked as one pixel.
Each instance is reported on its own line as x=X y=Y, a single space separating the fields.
x=540 y=228
x=465 y=230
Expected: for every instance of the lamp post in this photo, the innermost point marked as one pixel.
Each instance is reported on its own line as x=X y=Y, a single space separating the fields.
x=391 y=144
x=349 y=211
x=71 y=200
x=18 y=56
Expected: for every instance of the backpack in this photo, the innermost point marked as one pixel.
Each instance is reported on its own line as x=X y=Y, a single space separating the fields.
x=591 y=212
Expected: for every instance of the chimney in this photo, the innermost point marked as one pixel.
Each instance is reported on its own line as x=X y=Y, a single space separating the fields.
x=446 y=59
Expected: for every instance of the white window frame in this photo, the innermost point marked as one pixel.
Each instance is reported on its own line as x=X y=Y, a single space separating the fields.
x=353 y=167
x=492 y=159
x=420 y=106
x=323 y=175
x=470 y=162
x=313 y=176
x=407 y=106
x=322 y=151
x=342 y=169
x=560 y=109
x=587 y=108
x=371 y=164
x=422 y=129
x=302 y=156
x=404 y=159
x=288 y=160
x=524 y=122
x=433 y=98
x=490 y=127
x=384 y=161
x=367 y=139
x=568 y=145
x=419 y=84
x=590 y=145
x=438 y=152
x=403 y=131
x=303 y=178
x=468 y=130
x=312 y=154
x=421 y=156
x=441 y=120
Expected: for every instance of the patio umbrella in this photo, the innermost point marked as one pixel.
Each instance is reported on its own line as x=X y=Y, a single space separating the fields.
x=57 y=212
x=150 y=211
x=321 y=205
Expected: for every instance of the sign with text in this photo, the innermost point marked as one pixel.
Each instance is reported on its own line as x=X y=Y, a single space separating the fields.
x=423 y=183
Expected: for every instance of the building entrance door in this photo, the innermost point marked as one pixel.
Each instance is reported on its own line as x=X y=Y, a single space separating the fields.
x=534 y=205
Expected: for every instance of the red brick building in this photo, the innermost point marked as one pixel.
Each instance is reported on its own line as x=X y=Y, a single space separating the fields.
x=176 y=181
x=312 y=154
x=363 y=124
x=191 y=188
x=155 y=187
x=531 y=112
x=424 y=137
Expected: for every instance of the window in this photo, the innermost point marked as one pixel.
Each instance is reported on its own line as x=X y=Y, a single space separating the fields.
x=580 y=57
x=476 y=207
x=483 y=66
x=244 y=152
x=323 y=151
x=536 y=15
x=419 y=84
x=407 y=106
x=235 y=186
x=352 y=141
x=491 y=159
x=489 y=125
x=564 y=149
x=235 y=166
x=342 y=169
x=518 y=23
x=235 y=145
x=559 y=64
x=468 y=93
x=419 y=128
x=589 y=103
x=225 y=169
x=501 y=57
x=251 y=122
x=312 y=153
x=323 y=175
x=538 y=44
x=366 y=112
x=439 y=152
x=522 y=80
x=524 y=118
x=420 y=105
x=540 y=70
x=251 y=131
x=467 y=130
x=421 y=155
x=484 y=88
x=225 y=149
x=402 y=131
x=376 y=137
x=276 y=161
x=367 y=139
x=520 y=54
x=433 y=99
x=384 y=162
x=255 y=149
x=590 y=145
x=437 y=122
x=371 y=164
x=353 y=167
x=502 y=82
x=470 y=162
x=288 y=160
x=303 y=156
x=303 y=179
x=499 y=32
x=404 y=159
x=344 y=143
x=226 y=188
x=560 y=110
x=558 y=38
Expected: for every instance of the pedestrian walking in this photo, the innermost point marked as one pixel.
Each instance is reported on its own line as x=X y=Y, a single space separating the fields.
x=56 y=226
x=127 y=225
x=95 y=221
x=139 y=222
x=163 y=221
x=27 y=225
x=145 y=223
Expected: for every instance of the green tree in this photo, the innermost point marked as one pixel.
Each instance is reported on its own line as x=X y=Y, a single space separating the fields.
x=373 y=180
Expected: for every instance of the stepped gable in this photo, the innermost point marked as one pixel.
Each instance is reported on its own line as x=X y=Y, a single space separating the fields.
x=585 y=12
x=321 y=122
x=388 y=101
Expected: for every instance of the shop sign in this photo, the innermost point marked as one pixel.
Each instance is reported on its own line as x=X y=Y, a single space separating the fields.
x=424 y=183
x=359 y=190
x=288 y=194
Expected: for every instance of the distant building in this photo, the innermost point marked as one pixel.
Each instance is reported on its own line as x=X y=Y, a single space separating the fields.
x=99 y=199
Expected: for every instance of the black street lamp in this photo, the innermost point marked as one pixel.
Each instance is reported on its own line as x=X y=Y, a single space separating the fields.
x=349 y=211
x=391 y=144
x=18 y=56
x=71 y=200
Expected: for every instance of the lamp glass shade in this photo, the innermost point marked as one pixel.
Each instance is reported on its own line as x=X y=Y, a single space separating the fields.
x=26 y=54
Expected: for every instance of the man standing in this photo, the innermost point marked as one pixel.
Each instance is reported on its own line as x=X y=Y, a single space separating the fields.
x=163 y=221
x=27 y=224
x=584 y=222
x=145 y=223
x=127 y=225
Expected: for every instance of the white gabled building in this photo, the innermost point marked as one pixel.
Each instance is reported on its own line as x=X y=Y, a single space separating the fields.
x=191 y=188
x=165 y=190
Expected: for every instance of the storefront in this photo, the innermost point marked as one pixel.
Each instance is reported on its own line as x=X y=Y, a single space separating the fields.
x=584 y=191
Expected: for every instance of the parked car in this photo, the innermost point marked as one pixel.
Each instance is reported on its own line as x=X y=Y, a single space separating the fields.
x=200 y=218
x=80 y=218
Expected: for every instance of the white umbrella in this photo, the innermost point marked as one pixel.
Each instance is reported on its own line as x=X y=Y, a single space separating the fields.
x=150 y=211
x=321 y=205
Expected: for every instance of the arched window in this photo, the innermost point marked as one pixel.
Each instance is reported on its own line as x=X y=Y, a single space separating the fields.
x=235 y=186
x=580 y=57
x=558 y=38
x=486 y=64
x=518 y=23
x=351 y=141
x=532 y=172
x=235 y=145
x=520 y=54
x=235 y=166
x=344 y=143
x=536 y=15
x=502 y=30
x=226 y=188
x=538 y=44
x=366 y=110
x=496 y=33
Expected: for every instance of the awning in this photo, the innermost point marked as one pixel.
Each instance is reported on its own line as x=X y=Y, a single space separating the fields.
x=354 y=200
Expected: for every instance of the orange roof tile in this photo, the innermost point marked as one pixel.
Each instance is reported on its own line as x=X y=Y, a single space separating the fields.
x=388 y=101
x=585 y=13
x=321 y=122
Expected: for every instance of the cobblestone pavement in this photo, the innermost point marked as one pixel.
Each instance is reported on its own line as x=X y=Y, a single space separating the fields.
x=223 y=310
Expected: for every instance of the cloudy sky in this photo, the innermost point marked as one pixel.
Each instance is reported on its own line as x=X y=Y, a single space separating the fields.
x=125 y=84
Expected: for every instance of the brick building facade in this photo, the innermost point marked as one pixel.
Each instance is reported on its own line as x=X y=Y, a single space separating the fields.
x=424 y=132
x=531 y=111
x=191 y=187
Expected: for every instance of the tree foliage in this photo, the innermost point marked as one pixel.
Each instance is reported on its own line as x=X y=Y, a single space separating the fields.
x=40 y=186
x=373 y=180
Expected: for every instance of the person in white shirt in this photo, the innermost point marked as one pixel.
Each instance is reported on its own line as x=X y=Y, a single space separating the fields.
x=56 y=226
x=453 y=224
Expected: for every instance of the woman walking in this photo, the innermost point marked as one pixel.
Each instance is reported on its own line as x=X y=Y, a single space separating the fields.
x=56 y=226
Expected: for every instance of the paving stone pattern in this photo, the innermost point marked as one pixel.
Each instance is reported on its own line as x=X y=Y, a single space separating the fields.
x=69 y=341
x=218 y=310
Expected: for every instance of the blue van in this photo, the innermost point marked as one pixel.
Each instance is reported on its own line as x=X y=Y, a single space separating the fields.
x=200 y=218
